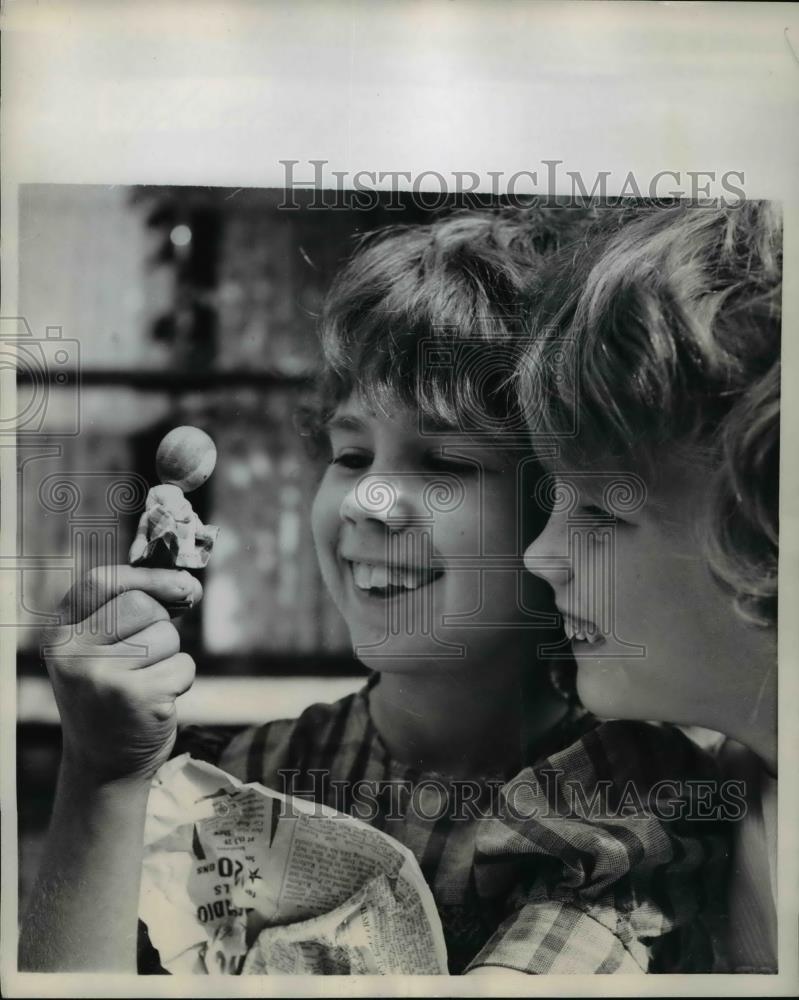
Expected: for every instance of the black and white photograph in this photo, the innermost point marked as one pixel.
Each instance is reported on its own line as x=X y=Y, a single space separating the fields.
x=393 y=499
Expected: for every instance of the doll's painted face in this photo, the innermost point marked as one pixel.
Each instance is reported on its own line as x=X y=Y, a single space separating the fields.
x=654 y=636
x=403 y=522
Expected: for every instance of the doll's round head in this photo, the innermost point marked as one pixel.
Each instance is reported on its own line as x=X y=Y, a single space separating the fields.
x=185 y=458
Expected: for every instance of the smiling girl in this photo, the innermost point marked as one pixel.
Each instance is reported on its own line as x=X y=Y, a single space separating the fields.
x=672 y=318
x=420 y=523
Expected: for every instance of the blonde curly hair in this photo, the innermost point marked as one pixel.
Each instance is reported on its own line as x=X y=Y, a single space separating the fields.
x=669 y=319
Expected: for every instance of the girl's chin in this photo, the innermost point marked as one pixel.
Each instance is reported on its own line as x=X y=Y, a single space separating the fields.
x=603 y=687
x=395 y=656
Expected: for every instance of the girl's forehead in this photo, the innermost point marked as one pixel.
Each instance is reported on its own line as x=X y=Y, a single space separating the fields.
x=357 y=417
x=357 y=407
x=395 y=414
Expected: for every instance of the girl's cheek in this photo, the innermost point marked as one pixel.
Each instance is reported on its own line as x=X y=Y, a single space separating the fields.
x=323 y=514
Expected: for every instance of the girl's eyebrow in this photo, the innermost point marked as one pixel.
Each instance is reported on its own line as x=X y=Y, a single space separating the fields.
x=344 y=422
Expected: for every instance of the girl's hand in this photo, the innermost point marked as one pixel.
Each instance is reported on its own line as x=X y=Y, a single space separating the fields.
x=116 y=669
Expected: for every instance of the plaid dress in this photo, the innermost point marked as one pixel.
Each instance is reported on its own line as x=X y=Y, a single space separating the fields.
x=526 y=873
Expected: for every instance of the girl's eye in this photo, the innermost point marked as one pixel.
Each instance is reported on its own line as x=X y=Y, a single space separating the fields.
x=352 y=459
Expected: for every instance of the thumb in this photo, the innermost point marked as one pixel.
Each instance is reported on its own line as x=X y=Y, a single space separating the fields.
x=100 y=585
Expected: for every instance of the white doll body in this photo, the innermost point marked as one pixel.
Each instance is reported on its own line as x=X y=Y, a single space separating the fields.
x=169 y=522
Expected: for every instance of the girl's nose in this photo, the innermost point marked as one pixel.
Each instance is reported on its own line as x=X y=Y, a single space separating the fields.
x=548 y=556
x=386 y=499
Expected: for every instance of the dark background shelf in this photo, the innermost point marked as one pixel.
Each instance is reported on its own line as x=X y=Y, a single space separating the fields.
x=178 y=381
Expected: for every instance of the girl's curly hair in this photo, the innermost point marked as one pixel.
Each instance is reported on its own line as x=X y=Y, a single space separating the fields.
x=455 y=280
x=669 y=321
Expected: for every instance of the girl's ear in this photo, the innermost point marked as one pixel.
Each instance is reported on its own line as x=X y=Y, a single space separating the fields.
x=563 y=675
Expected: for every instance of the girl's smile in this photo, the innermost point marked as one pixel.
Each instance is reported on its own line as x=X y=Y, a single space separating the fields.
x=386 y=581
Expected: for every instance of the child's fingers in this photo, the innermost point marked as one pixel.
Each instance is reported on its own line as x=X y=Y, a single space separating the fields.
x=166 y=680
x=122 y=617
x=103 y=583
x=100 y=665
x=158 y=641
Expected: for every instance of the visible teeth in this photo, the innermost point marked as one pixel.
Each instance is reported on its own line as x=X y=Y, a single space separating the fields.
x=368 y=577
x=582 y=633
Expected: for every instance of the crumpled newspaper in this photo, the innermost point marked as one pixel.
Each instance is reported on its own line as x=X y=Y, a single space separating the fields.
x=239 y=879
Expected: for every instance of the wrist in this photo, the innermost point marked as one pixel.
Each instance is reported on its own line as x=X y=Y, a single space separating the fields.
x=84 y=781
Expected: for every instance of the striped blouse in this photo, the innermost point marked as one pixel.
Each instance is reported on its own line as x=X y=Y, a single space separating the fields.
x=563 y=868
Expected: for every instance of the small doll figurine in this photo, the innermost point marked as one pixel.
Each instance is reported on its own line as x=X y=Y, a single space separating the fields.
x=170 y=534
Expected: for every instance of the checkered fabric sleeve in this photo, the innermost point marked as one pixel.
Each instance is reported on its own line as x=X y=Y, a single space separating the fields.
x=615 y=855
x=557 y=938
